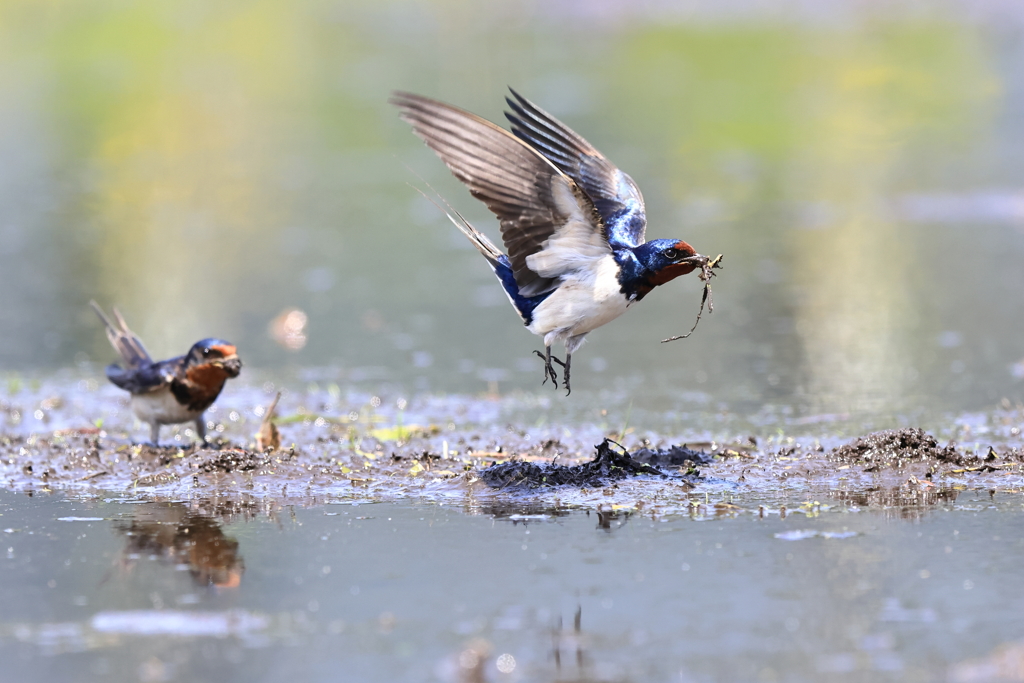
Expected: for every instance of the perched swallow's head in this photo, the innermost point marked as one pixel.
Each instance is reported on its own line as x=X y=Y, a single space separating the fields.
x=667 y=259
x=215 y=356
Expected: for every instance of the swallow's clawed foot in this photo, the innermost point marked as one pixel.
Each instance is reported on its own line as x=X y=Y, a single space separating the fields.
x=549 y=369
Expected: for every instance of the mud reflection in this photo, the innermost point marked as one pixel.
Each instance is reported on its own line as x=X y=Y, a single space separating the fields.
x=522 y=512
x=519 y=511
x=910 y=501
x=180 y=534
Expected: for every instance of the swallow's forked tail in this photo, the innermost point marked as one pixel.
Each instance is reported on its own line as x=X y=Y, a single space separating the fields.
x=486 y=247
x=124 y=341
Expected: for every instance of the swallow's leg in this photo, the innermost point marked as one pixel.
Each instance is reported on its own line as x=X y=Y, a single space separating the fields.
x=549 y=370
x=571 y=344
x=565 y=374
x=201 y=429
x=154 y=434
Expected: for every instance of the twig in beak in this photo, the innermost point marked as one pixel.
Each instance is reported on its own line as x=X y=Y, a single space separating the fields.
x=706 y=274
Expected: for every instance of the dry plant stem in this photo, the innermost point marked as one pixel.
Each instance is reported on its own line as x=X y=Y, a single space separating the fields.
x=268 y=436
x=706 y=274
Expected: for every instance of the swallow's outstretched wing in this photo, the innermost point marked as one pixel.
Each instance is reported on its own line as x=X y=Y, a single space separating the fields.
x=614 y=194
x=549 y=225
x=140 y=374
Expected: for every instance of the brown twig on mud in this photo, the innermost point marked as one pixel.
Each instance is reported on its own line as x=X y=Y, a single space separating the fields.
x=706 y=273
x=268 y=438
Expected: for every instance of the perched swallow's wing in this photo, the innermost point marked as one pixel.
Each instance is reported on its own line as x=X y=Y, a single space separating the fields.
x=614 y=194
x=549 y=225
x=124 y=341
x=146 y=378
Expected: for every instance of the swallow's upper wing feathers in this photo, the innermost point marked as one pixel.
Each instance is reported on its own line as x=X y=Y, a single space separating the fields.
x=614 y=194
x=146 y=378
x=124 y=341
x=548 y=223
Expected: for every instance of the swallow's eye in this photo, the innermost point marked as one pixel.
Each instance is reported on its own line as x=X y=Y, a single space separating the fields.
x=206 y=353
x=671 y=253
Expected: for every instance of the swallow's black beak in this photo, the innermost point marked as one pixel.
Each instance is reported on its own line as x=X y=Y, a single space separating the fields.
x=232 y=365
x=705 y=264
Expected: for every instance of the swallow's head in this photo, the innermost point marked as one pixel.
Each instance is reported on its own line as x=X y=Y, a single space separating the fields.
x=215 y=357
x=666 y=260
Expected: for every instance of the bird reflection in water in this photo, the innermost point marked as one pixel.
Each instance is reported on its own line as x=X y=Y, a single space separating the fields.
x=179 y=534
x=476 y=663
x=568 y=648
x=609 y=518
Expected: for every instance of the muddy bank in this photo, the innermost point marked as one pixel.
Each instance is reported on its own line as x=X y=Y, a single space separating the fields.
x=528 y=451
x=894 y=468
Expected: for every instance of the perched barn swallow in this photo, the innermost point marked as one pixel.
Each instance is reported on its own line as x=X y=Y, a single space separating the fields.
x=169 y=391
x=573 y=223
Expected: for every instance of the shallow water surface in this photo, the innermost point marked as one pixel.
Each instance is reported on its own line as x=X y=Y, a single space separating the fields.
x=118 y=589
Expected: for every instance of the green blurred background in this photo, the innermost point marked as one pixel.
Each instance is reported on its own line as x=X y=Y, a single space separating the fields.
x=207 y=167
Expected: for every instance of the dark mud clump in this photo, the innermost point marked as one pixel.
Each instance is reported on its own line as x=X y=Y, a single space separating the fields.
x=673 y=456
x=607 y=465
x=232 y=460
x=894 y=448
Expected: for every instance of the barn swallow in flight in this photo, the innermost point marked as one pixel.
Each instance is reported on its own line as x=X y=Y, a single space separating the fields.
x=169 y=391
x=573 y=223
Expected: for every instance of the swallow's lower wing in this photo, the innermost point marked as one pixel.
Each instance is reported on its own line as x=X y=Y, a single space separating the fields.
x=614 y=194
x=125 y=342
x=548 y=223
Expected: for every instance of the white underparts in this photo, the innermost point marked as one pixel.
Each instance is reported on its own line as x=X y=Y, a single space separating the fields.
x=161 y=407
x=585 y=300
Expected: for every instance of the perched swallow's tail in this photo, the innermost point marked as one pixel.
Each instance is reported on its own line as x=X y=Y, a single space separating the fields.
x=124 y=341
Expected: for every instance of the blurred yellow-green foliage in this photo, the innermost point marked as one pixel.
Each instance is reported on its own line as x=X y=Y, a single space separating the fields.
x=205 y=165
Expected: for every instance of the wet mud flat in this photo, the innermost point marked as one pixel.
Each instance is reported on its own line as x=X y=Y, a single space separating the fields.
x=341 y=546
x=332 y=453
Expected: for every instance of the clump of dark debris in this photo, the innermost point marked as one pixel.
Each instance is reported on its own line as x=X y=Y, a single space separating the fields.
x=608 y=465
x=896 y=448
x=673 y=456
